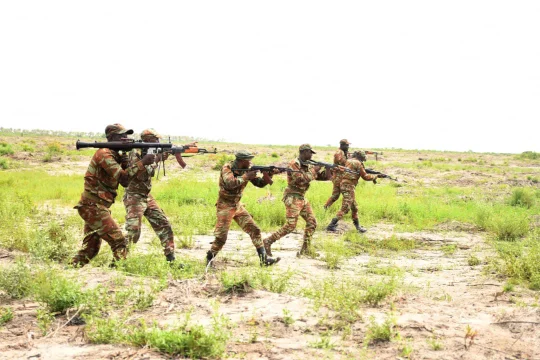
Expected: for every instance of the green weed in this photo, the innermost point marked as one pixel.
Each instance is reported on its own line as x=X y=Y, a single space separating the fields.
x=435 y=344
x=4 y=164
x=6 y=149
x=522 y=197
x=325 y=342
x=472 y=260
x=57 y=292
x=6 y=315
x=449 y=249
x=288 y=320
x=16 y=280
x=44 y=320
x=383 y=332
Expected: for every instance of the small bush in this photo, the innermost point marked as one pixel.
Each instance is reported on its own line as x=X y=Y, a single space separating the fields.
x=6 y=315
x=473 y=260
x=16 y=280
x=6 y=149
x=529 y=155
x=53 y=243
x=509 y=227
x=57 y=292
x=4 y=164
x=522 y=197
x=28 y=148
x=381 y=332
x=221 y=161
x=275 y=155
x=54 y=148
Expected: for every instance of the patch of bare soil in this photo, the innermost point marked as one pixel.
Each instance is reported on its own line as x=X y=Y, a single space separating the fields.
x=442 y=296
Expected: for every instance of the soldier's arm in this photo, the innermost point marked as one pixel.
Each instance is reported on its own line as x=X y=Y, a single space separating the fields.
x=231 y=181
x=303 y=176
x=365 y=175
x=340 y=158
x=107 y=161
x=259 y=182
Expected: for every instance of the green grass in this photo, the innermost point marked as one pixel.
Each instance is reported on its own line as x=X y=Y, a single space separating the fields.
x=57 y=292
x=381 y=332
x=6 y=315
x=246 y=279
x=16 y=280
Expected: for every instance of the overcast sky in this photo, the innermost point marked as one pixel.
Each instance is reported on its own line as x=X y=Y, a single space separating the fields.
x=445 y=75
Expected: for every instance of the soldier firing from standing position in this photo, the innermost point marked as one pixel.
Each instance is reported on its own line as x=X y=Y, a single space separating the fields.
x=347 y=188
x=231 y=186
x=106 y=171
x=139 y=202
x=340 y=158
x=295 y=202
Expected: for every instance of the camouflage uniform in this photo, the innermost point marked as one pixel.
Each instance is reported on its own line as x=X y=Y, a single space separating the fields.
x=348 y=186
x=229 y=207
x=100 y=184
x=139 y=202
x=340 y=158
x=296 y=204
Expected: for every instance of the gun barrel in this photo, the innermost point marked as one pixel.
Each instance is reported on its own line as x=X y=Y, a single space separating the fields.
x=121 y=145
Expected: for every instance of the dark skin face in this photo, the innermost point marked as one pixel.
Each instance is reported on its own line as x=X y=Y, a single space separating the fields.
x=344 y=147
x=243 y=164
x=116 y=137
x=305 y=155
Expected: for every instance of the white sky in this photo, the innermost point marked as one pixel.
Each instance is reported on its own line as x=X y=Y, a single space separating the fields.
x=446 y=75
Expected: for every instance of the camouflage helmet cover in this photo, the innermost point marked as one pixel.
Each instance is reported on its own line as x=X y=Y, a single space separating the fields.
x=360 y=154
x=117 y=129
x=150 y=133
x=306 y=147
x=244 y=155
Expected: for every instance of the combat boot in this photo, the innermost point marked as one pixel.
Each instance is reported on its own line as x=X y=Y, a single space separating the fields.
x=265 y=260
x=333 y=225
x=171 y=259
x=267 y=247
x=359 y=227
x=210 y=256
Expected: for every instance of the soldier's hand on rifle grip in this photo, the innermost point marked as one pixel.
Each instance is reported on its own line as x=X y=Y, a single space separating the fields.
x=124 y=160
x=276 y=171
x=250 y=175
x=316 y=169
x=148 y=159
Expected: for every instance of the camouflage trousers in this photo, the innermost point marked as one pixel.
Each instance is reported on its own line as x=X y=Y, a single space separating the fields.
x=138 y=206
x=336 y=191
x=349 y=201
x=98 y=225
x=295 y=207
x=226 y=213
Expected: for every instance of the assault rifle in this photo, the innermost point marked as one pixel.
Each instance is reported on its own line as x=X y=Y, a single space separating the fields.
x=331 y=166
x=384 y=176
x=269 y=168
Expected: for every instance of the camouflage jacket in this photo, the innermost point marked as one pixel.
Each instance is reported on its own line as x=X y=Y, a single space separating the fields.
x=340 y=158
x=141 y=183
x=232 y=185
x=298 y=182
x=104 y=174
x=356 y=165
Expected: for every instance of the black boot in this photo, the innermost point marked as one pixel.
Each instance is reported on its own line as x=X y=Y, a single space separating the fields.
x=171 y=259
x=265 y=260
x=333 y=225
x=210 y=256
x=359 y=227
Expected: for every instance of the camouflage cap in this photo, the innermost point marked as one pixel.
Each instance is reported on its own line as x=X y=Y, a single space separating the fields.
x=150 y=133
x=306 y=147
x=117 y=129
x=344 y=141
x=244 y=155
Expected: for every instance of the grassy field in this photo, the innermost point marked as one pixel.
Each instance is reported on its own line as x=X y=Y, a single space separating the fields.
x=452 y=218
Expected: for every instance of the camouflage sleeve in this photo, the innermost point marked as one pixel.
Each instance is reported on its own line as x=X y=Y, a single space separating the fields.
x=230 y=181
x=107 y=161
x=303 y=177
x=364 y=174
x=259 y=182
x=340 y=158
x=324 y=175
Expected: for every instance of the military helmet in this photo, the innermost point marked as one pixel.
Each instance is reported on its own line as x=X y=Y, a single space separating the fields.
x=117 y=129
x=244 y=155
x=360 y=155
x=150 y=133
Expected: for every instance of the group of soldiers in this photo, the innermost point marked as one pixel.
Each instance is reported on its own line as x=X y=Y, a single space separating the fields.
x=134 y=171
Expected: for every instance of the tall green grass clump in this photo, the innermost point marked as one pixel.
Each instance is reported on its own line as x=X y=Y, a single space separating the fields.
x=4 y=164
x=6 y=149
x=505 y=225
x=246 y=279
x=16 y=280
x=54 y=242
x=522 y=197
x=57 y=292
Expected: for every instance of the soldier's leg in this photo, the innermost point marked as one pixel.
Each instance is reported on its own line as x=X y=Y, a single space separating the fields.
x=311 y=224
x=224 y=215
x=98 y=218
x=135 y=208
x=348 y=198
x=335 y=195
x=293 y=206
x=248 y=225
x=161 y=225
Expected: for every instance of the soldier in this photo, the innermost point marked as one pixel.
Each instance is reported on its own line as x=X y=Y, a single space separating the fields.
x=340 y=158
x=231 y=186
x=139 y=202
x=100 y=184
x=348 y=185
x=295 y=202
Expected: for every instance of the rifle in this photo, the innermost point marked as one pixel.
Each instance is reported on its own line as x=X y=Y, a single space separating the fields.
x=269 y=168
x=331 y=166
x=384 y=176
x=184 y=149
